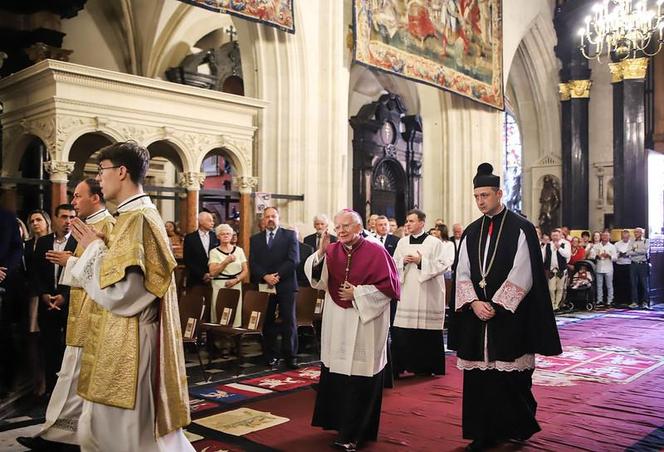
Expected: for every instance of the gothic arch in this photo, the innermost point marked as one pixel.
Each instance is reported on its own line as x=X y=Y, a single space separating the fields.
x=532 y=89
x=370 y=83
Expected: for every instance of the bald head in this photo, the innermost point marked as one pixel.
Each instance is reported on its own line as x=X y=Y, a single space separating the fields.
x=205 y=221
x=638 y=233
x=457 y=230
x=348 y=226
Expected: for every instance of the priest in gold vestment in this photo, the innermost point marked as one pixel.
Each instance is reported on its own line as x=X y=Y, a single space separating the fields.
x=64 y=407
x=132 y=378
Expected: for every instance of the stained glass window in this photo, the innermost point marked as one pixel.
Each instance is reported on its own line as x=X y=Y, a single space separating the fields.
x=512 y=170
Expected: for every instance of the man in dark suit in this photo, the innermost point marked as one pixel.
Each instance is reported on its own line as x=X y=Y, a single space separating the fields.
x=457 y=232
x=11 y=252
x=196 y=251
x=273 y=260
x=320 y=225
x=53 y=297
x=305 y=252
x=387 y=240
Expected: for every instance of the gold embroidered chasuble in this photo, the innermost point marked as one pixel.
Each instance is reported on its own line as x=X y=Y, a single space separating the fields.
x=109 y=365
x=80 y=303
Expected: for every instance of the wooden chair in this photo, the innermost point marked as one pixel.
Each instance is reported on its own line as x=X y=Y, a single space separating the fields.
x=201 y=291
x=254 y=310
x=227 y=298
x=180 y=279
x=305 y=307
x=192 y=306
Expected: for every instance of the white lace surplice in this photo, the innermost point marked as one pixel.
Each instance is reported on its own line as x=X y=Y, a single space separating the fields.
x=509 y=295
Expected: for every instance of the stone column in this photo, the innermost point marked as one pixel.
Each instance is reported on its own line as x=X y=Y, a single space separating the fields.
x=59 y=172
x=630 y=157
x=8 y=196
x=245 y=185
x=575 y=95
x=192 y=181
x=182 y=210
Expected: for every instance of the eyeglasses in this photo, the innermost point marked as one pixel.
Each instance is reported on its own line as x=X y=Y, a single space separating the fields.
x=345 y=227
x=100 y=169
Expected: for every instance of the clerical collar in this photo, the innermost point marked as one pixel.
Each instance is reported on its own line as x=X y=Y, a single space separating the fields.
x=498 y=214
x=353 y=246
x=135 y=202
x=95 y=216
x=417 y=239
x=417 y=236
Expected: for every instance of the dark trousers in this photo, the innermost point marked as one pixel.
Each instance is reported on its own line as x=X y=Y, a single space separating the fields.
x=640 y=283
x=52 y=327
x=621 y=283
x=6 y=348
x=287 y=326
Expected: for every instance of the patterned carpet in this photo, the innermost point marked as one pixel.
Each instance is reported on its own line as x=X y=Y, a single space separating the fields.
x=605 y=393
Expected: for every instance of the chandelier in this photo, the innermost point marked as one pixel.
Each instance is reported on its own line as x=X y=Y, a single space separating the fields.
x=620 y=29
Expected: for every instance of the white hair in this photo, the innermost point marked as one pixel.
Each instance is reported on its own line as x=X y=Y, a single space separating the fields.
x=322 y=217
x=357 y=219
x=223 y=227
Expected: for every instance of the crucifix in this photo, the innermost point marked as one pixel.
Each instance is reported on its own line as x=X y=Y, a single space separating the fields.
x=231 y=32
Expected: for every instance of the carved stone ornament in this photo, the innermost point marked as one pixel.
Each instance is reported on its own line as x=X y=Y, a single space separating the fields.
x=245 y=184
x=579 y=89
x=563 y=90
x=59 y=170
x=44 y=128
x=634 y=68
x=191 y=180
x=616 y=70
x=40 y=51
x=67 y=124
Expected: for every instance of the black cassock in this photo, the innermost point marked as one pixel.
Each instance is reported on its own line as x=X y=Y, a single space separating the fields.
x=498 y=404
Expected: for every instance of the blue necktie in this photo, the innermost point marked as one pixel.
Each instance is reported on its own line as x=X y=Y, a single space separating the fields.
x=270 y=236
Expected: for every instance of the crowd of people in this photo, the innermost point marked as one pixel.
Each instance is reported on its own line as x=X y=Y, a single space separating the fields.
x=101 y=301
x=620 y=269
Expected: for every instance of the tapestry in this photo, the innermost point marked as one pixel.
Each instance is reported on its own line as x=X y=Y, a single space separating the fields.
x=456 y=45
x=276 y=13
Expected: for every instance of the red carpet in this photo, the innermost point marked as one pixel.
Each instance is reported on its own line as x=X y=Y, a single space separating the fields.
x=578 y=410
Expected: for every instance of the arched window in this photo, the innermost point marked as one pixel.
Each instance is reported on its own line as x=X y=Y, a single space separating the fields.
x=512 y=170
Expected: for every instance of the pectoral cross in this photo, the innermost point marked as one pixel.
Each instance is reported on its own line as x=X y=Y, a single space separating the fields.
x=483 y=283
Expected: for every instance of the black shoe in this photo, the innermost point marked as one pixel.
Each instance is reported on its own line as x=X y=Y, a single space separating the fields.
x=291 y=363
x=273 y=362
x=480 y=444
x=37 y=443
x=348 y=447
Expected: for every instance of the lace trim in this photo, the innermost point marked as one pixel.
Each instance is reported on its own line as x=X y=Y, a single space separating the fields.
x=83 y=276
x=509 y=296
x=525 y=362
x=465 y=293
x=68 y=424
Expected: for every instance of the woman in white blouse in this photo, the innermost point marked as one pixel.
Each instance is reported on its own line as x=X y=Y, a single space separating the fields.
x=228 y=268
